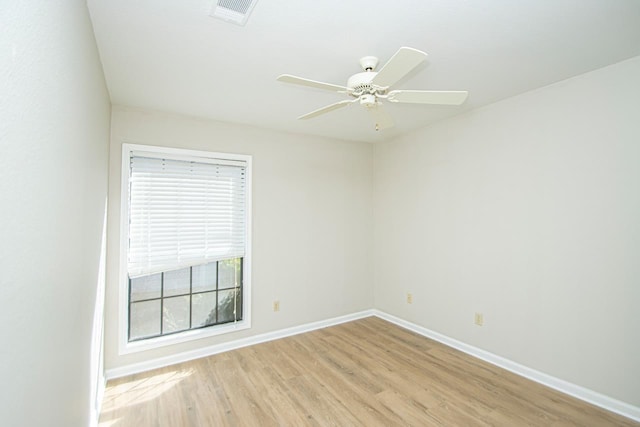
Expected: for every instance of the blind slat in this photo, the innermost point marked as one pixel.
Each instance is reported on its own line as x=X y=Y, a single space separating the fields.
x=184 y=213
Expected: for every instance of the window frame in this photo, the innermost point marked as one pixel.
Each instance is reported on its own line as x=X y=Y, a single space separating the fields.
x=127 y=347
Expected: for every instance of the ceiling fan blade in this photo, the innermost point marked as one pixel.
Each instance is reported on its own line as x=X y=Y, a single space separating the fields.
x=326 y=109
x=288 y=78
x=435 y=97
x=381 y=117
x=400 y=64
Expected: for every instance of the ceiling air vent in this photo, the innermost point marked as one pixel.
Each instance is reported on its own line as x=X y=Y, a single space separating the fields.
x=235 y=11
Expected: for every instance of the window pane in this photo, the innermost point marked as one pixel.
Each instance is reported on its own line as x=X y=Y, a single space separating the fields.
x=227 y=305
x=175 y=314
x=204 y=277
x=145 y=319
x=229 y=272
x=146 y=287
x=176 y=282
x=238 y=304
x=203 y=309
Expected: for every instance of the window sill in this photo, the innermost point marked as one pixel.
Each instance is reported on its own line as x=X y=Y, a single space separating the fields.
x=181 y=337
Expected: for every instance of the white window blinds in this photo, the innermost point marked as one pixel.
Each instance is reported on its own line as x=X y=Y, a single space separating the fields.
x=184 y=213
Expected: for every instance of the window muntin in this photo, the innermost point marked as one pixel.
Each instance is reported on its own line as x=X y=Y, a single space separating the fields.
x=186 y=299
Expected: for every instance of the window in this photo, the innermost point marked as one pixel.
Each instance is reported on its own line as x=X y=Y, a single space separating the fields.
x=190 y=298
x=186 y=222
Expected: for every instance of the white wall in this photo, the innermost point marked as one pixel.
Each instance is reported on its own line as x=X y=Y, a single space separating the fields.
x=528 y=211
x=54 y=126
x=312 y=221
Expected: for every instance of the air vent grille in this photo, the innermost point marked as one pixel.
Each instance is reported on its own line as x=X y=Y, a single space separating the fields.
x=240 y=6
x=236 y=11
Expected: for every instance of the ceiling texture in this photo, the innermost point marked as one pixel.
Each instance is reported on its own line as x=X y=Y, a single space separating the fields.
x=170 y=55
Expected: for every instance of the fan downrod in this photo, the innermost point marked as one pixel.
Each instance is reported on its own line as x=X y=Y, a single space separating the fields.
x=368 y=63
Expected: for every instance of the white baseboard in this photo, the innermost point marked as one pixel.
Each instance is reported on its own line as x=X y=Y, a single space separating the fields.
x=232 y=345
x=590 y=396
x=96 y=407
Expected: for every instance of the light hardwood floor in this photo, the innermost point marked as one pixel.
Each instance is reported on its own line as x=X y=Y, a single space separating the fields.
x=363 y=373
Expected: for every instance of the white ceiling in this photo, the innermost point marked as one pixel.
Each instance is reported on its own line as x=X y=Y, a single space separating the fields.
x=171 y=55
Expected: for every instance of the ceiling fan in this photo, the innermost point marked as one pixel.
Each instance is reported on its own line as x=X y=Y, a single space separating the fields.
x=371 y=87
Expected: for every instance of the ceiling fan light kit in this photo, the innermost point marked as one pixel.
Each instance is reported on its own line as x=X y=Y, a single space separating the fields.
x=371 y=87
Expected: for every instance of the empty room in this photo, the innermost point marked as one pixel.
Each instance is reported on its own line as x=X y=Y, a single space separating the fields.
x=322 y=213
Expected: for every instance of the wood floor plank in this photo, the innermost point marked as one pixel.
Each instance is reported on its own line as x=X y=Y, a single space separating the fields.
x=363 y=373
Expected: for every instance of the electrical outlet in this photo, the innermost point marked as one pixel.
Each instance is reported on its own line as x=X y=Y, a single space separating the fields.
x=409 y=298
x=479 y=319
x=276 y=306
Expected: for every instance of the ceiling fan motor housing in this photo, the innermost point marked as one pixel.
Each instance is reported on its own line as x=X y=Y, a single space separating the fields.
x=360 y=84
